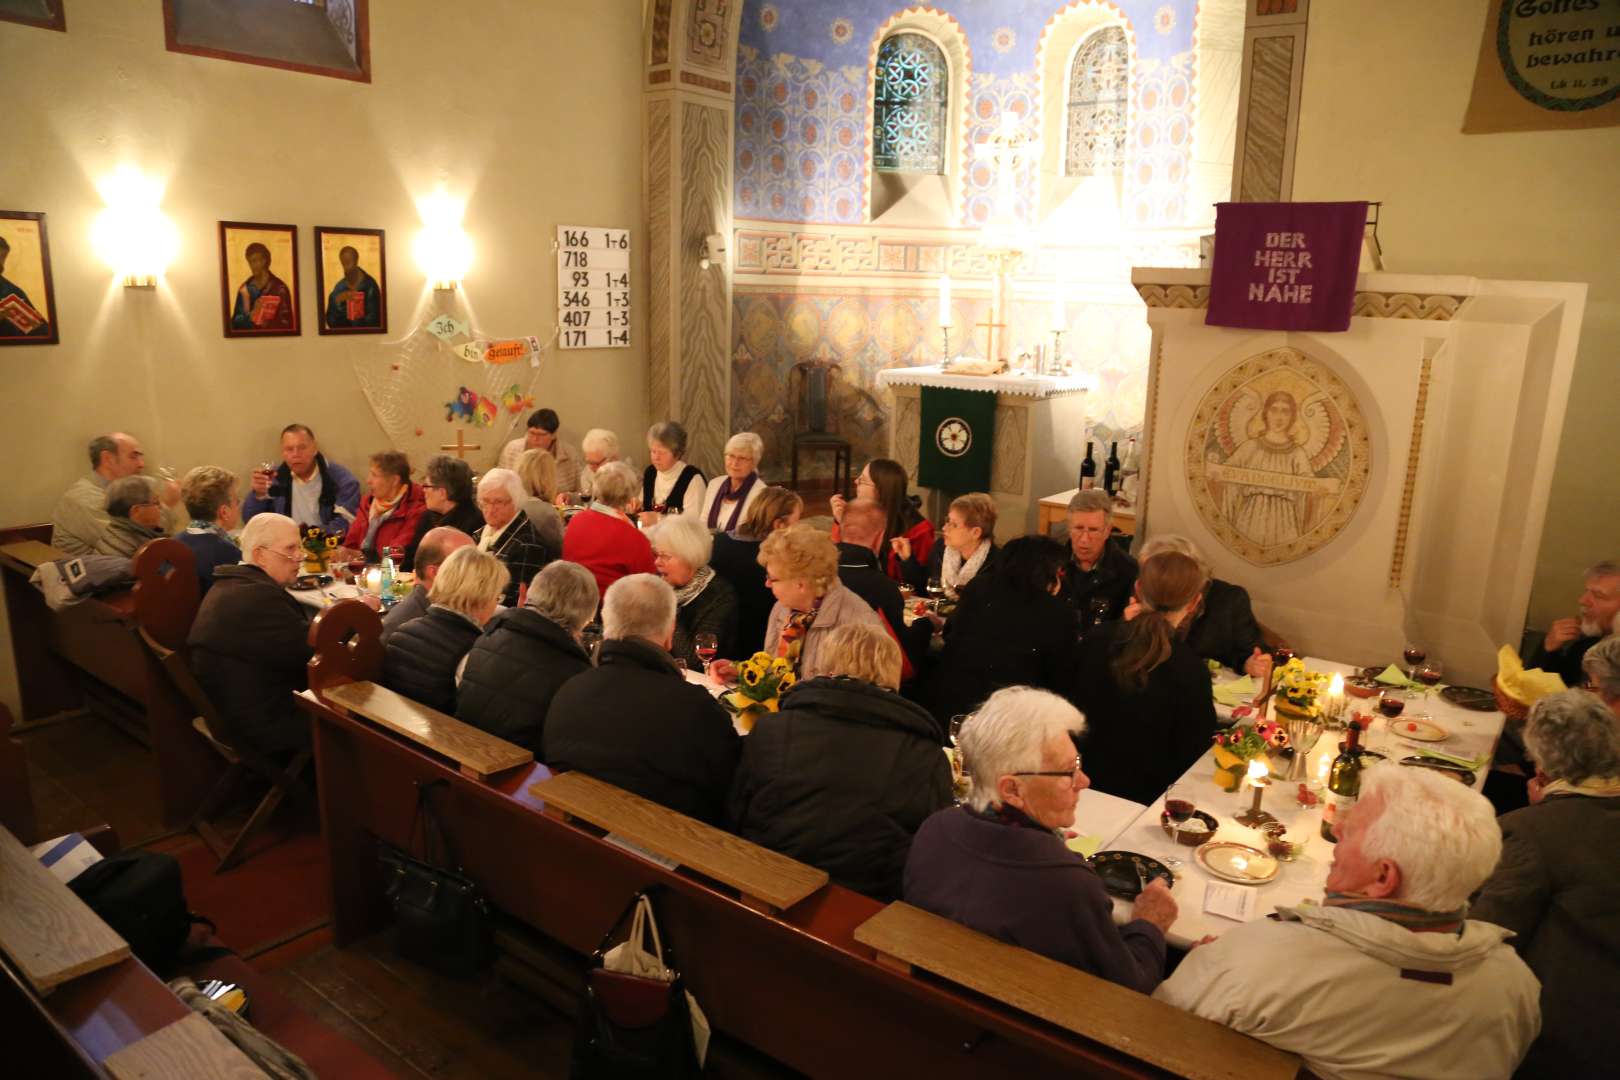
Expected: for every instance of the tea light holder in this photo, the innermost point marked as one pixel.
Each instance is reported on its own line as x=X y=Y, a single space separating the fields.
x=374 y=581
x=1253 y=816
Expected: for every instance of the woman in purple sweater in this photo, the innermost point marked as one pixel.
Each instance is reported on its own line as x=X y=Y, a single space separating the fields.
x=999 y=863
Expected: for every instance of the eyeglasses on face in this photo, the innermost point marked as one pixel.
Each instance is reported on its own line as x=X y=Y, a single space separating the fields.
x=292 y=556
x=1073 y=774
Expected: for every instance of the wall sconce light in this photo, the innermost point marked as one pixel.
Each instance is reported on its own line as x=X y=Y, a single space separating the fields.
x=714 y=251
x=132 y=235
x=443 y=251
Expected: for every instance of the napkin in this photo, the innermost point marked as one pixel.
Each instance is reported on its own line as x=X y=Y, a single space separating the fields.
x=1526 y=686
x=1237 y=692
x=1394 y=676
x=1086 y=845
x=1467 y=763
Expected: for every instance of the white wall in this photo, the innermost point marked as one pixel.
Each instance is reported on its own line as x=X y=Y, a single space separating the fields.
x=528 y=110
x=1386 y=85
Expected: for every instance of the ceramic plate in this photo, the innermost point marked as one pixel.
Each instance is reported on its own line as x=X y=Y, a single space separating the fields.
x=1190 y=837
x=1118 y=871
x=1237 y=862
x=1470 y=697
x=1419 y=729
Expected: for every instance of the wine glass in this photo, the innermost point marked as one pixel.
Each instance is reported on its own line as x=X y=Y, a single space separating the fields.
x=1179 y=805
x=1429 y=673
x=955 y=728
x=935 y=588
x=1414 y=655
x=707 y=647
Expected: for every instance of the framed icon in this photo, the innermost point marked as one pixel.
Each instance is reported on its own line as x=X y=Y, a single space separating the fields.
x=351 y=278
x=258 y=276
x=27 y=297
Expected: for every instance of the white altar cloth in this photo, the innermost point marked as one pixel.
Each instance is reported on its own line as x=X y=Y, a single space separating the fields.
x=1025 y=384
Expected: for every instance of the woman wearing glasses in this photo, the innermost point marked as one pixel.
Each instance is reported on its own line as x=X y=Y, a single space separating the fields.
x=447 y=494
x=999 y=864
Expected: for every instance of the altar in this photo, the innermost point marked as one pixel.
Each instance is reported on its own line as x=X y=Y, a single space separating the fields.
x=1040 y=433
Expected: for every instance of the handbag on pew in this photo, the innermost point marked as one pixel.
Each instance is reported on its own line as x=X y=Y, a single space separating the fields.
x=441 y=918
x=637 y=1018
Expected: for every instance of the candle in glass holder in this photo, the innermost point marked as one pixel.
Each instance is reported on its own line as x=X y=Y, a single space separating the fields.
x=374 y=581
x=1253 y=816
x=1335 y=697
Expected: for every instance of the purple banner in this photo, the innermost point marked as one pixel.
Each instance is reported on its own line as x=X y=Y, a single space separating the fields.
x=1285 y=266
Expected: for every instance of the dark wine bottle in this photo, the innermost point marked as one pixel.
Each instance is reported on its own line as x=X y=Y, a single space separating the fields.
x=1111 y=470
x=1343 y=783
x=1088 y=471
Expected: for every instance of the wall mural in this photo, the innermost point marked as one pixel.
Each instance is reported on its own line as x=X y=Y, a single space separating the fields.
x=1277 y=457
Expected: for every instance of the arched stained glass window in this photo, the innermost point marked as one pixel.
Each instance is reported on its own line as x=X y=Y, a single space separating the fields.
x=1099 y=81
x=908 y=114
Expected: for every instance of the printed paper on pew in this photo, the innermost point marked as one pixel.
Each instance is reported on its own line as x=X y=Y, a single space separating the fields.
x=1229 y=901
x=66 y=857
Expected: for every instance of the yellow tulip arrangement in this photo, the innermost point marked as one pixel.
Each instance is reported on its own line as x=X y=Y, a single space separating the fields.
x=761 y=681
x=1300 y=692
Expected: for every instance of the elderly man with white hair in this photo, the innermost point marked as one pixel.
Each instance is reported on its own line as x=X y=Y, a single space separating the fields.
x=726 y=502
x=1000 y=865
x=508 y=534
x=80 y=516
x=250 y=640
x=1557 y=886
x=1602 y=667
x=1567 y=640
x=134 y=516
x=634 y=721
x=1387 y=976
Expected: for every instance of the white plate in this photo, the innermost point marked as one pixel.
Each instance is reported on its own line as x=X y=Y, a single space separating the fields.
x=1238 y=863
x=1418 y=729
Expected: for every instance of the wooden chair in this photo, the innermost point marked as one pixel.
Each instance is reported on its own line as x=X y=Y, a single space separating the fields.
x=167 y=592
x=813 y=430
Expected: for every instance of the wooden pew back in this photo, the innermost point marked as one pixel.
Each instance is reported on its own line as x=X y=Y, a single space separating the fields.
x=167 y=592
x=347 y=639
x=45 y=930
x=476 y=752
x=1186 y=1045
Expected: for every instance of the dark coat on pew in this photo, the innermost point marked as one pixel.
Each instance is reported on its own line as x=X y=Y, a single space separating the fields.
x=249 y=650
x=1139 y=742
x=1021 y=885
x=633 y=722
x=841 y=778
x=421 y=657
x=514 y=670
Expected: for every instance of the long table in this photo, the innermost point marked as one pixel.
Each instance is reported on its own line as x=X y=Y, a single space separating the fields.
x=1472 y=734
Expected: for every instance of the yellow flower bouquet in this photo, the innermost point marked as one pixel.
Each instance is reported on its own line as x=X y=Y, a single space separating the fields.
x=761 y=681
x=1299 y=692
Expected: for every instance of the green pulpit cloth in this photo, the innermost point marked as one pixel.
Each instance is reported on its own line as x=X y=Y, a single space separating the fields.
x=954 y=442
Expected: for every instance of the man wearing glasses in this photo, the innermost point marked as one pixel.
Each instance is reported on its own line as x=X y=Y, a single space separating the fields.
x=249 y=643
x=999 y=863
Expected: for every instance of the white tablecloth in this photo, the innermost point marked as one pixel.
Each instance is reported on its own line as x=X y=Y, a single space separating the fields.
x=325 y=596
x=1471 y=734
x=1039 y=386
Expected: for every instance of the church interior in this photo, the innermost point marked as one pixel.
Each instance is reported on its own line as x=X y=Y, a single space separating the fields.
x=935 y=318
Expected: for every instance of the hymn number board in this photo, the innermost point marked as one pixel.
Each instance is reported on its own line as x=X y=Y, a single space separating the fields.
x=593 y=287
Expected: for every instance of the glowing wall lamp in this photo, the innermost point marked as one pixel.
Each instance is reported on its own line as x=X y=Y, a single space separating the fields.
x=443 y=250
x=132 y=235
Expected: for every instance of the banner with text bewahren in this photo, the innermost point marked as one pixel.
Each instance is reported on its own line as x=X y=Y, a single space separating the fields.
x=1547 y=64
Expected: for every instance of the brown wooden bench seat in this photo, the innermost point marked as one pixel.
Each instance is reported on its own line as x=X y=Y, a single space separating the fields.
x=767 y=881
x=45 y=930
x=906 y=937
x=476 y=752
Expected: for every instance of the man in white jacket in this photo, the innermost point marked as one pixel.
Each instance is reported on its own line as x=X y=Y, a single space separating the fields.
x=1387 y=976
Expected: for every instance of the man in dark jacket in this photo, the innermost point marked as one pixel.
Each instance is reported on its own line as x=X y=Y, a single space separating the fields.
x=526 y=655
x=305 y=487
x=847 y=771
x=250 y=641
x=633 y=721
x=1568 y=638
x=1099 y=578
x=863 y=575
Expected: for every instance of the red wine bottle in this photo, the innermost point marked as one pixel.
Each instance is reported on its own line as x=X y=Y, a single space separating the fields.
x=1111 y=470
x=1344 y=781
x=1088 y=471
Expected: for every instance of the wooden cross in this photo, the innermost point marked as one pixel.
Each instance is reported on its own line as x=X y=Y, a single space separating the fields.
x=990 y=336
x=461 y=445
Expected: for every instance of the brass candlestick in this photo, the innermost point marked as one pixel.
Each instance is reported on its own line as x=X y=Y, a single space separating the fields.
x=1253 y=816
x=945 y=348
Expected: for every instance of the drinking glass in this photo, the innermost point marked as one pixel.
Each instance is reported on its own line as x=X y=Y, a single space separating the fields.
x=1392 y=702
x=707 y=647
x=956 y=726
x=935 y=588
x=1414 y=655
x=1429 y=673
x=1178 y=803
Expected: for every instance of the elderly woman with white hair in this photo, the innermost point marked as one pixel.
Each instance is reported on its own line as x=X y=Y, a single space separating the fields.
x=1387 y=975
x=1601 y=665
x=526 y=654
x=726 y=503
x=508 y=534
x=634 y=721
x=1222 y=627
x=422 y=659
x=135 y=516
x=603 y=539
x=668 y=484
x=999 y=864
x=705 y=602
x=1557 y=886
x=600 y=447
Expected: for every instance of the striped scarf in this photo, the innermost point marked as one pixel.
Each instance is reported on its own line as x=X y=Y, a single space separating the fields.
x=1408 y=915
x=790 y=645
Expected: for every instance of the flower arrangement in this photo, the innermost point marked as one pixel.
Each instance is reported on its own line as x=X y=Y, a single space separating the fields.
x=1237 y=746
x=761 y=681
x=1300 y=692
x=318 y=549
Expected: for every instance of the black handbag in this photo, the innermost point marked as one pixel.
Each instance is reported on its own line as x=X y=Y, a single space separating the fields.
x=635 y=1025
x=441 y=918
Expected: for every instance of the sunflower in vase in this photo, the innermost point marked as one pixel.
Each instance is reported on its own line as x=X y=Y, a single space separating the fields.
x=1299 y=693
x=761 y=681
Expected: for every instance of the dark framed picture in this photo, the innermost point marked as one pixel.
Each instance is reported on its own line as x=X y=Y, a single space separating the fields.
x=45 y=14
x=27 y=298
x=351 y=278
x=258 y=279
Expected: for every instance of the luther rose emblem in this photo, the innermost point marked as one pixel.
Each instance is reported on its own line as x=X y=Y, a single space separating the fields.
x=953 y=437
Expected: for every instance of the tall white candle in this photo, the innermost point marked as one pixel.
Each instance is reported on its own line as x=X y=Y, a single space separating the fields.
x=945 y=300
x=1058 y=314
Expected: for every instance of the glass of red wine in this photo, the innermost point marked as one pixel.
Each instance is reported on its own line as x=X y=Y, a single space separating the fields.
x=1392 y=703
x=1430 y=672
x=1179 y=807
x=1414 y=655
x=707 y=647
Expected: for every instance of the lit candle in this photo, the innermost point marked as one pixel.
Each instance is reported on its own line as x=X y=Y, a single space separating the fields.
x=945 y=300
x=374 y=581
x=1335 y=701
x=1258 y=772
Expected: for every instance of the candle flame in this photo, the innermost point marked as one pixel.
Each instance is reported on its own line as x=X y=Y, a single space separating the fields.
x=1257 y=770
x=1336 y=686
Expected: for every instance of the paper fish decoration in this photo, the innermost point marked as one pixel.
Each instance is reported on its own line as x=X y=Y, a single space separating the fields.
x=486 y=412
x=514 y=400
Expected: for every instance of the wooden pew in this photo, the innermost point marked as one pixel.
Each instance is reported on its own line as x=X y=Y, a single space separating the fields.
x=905 y=937
x=797 y=985
x=45 y=930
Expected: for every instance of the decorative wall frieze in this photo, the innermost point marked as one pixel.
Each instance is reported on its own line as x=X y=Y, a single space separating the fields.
x=1437 y=307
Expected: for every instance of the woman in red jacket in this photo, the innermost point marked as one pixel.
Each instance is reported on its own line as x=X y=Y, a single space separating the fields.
x=387 y=517
x=603 y=539
x=885 y=481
